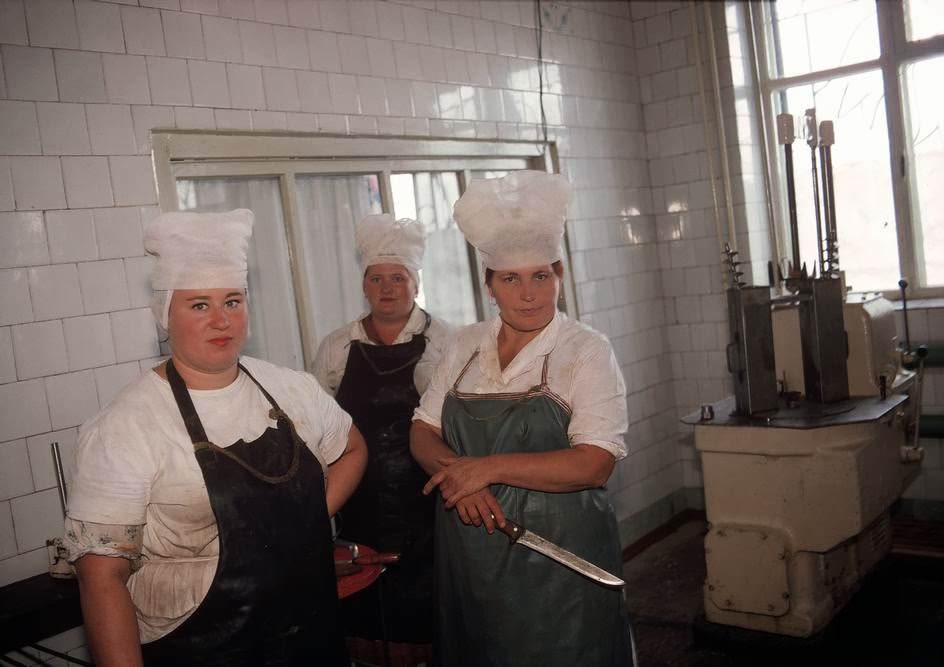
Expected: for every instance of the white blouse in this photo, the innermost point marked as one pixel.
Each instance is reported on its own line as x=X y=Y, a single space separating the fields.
x=135 y=466
x=331 y=359
x=582 y=370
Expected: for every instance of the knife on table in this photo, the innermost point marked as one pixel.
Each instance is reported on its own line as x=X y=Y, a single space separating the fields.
x=518 y=534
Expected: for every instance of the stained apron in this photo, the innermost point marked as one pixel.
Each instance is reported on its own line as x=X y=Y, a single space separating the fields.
x=273 y=600
x=502 y=604
x=388 y=511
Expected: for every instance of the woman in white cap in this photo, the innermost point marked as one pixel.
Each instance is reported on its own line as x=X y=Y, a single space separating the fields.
x=377 y=367
x=523 y=418
x=198 y=516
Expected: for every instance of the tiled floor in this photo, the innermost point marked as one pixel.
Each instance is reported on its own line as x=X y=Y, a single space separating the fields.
x=896 y=619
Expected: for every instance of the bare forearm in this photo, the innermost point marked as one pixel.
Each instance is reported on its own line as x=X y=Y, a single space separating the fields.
x=428 y=447
x=575 y=469
x=110 y=623
x=345 y=474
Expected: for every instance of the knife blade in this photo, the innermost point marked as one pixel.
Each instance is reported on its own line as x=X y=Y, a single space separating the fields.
x=518 y=534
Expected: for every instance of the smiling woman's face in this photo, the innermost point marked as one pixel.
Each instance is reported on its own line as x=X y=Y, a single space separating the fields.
x=526 y=297
x=207 y=327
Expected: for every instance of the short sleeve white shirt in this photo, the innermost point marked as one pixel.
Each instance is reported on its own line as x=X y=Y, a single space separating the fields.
x=582 y=370
x=331 y=359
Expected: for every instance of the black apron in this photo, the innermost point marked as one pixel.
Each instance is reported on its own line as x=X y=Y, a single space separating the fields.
x=388 y=511
x=273 y=600
x=502 y=604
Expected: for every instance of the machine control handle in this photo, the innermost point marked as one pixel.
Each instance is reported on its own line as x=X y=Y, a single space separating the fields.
x=785 y=133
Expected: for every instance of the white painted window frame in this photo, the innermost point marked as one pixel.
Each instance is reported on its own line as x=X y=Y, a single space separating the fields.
x=895 y=51
x=208 y=154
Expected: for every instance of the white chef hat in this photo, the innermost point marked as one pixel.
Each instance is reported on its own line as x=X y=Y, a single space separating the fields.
x=382 y=239
x=515 y=221
x=196 y=250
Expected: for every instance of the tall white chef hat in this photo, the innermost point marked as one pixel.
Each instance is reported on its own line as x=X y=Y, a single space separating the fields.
x=515 y=221
x=197 y=250
x=382 y=239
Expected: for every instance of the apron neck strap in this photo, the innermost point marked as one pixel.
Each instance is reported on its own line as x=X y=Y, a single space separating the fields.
x=468 y=364
x=189 y=412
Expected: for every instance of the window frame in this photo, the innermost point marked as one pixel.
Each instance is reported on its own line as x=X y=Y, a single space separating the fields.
x=197 y=154
x=895 y=51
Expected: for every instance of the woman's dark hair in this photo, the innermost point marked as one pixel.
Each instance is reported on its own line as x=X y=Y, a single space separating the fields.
x=557 y=266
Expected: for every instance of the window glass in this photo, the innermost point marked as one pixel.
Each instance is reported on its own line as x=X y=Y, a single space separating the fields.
x=273 y=318
x=924 y=104
x=924 y=18
x=446 y=288
x=810 y=35
x=329 y=207
x=868 y=243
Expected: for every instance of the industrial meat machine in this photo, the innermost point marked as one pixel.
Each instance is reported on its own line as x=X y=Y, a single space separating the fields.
x=802 y=464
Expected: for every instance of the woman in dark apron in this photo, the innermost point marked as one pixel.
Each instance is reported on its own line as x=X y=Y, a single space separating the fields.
x=523 y=419
x=377 y=367
x=273 y=596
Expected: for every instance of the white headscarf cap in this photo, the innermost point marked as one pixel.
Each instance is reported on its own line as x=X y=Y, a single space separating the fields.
x=381 y=239
x=516 y=221
x=199 y=250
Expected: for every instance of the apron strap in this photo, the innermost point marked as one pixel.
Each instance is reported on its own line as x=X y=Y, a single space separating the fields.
x=465 y=369
x=187 y=410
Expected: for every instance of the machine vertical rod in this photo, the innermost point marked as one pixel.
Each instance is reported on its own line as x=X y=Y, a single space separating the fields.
x=826 y=141
x=60 y=476
x=785 y=136
x=812 y=141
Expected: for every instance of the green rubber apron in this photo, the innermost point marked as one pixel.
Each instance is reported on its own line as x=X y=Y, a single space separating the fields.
x=504 y=604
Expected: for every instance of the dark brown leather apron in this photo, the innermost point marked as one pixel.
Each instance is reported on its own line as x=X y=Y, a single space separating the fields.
x=273 y=600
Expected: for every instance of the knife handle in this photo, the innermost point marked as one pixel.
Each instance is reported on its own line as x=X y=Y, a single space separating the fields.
x=512 y=530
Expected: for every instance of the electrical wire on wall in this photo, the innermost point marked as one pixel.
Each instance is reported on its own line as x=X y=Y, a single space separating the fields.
x=540 y=45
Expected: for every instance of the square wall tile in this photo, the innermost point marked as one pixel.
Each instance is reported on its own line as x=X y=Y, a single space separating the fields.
x=382 y=60
x=88 y=342
x=238 y=9
x=208 y=84
x=232 y=119
x=126 y=79
x=87 y=182
x=138 y=272
x=110 y=380
x=407 y=58
x=399 y=100
x=390 y=21
x=344 y=93
x=41 y=460
x=373 y=95
x=104 y=286
x=414 y=22
x=324 y=51
x=37 y=518
x=80 y=76
x=39 y=349
x=7 y=361
x=169 y=81
x=291 y=46
x=221 y=37
x=72 y=398
x=335 y=16
x=37 y=183
x=62 y=129
x=23 y=566
x=135 y=334
x=7 y=202
x=245 y=86
x=133 y=180
x=30 y=74
x=52 y=23
x=12 y=23
x=258 y=41
x=15 y=304
x=301 y=122
x=354 y=58
x=19 y=129
x=194 y=118
x=23 y=409
x=281 y=90
x=266 y=121
x=15 y=478
x=147 y=118
x=303 y=14
x=118 y=232
x=22 y=240
x=144 y=34
x=71 y=236
x=313 y=91
x=183 y=35
x=110 y=129
x=55 y=291
x=363 y=18
x=271 y=11
x=99 y=26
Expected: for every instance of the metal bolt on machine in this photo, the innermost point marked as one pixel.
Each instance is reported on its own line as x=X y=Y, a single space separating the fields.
x=802 y=464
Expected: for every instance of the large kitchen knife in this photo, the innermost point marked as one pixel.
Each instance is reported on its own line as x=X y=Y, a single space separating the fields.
x=518 y=534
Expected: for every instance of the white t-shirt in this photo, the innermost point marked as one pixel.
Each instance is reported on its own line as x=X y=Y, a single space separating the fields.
x=135 y=465
x=582 y=370
x=331 y=359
